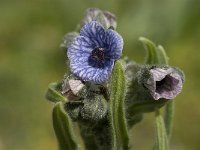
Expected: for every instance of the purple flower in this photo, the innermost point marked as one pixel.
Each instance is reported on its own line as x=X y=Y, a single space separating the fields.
x=164 y=83
x=93 y=52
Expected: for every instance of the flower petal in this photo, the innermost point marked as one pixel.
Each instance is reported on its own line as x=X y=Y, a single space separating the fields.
x=95 y=32
x=164 y=83
x=81 y=47
x=89 y=73
x=115 y=44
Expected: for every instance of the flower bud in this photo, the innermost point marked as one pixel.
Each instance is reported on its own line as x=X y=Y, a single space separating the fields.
x=68 y=39
x=151 y=87
x=111 y=19
x=90 y=15
x=90 y=110
x=87 y=101
x=107 y=19
x=164 y=83
x=94 y=108
x=72 y=88
x=154 y=82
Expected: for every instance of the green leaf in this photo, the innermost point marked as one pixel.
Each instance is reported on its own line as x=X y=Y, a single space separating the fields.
x=162 y=56
x=161 y=137
x=145 y=106
x=152 y=56
x=134 y=119
x=88 y=137
x=119 y=131
x=53 y=93
x=169 y=114
x=155 y=54
x=63 y=129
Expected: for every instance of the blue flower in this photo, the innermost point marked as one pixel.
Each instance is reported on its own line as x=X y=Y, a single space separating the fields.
x=93 y=52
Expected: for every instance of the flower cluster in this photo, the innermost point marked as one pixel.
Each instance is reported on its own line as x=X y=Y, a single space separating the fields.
x=93 y=51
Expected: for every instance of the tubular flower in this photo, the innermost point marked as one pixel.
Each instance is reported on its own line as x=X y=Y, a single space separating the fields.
x=93 y=52
x=164 y=83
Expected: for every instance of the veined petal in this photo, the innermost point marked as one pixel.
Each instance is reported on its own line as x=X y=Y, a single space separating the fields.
x=115 y=44
x=164 y=83
x=80 y=47
x=95 y=32
x=89 y=73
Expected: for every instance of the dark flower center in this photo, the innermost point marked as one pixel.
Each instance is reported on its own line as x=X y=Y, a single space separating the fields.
x=98 y=55
x=166 y=84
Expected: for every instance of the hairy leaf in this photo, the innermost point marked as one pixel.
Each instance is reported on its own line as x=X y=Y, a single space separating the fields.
x=53 y=93
x=119 y=131
x=161 y=137
x=63 y=129
x=152 y=53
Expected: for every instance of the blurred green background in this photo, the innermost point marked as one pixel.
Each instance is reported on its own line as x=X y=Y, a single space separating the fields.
x=30 y=58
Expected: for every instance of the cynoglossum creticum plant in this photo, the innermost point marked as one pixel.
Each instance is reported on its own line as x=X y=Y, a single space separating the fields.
x=105 y=95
